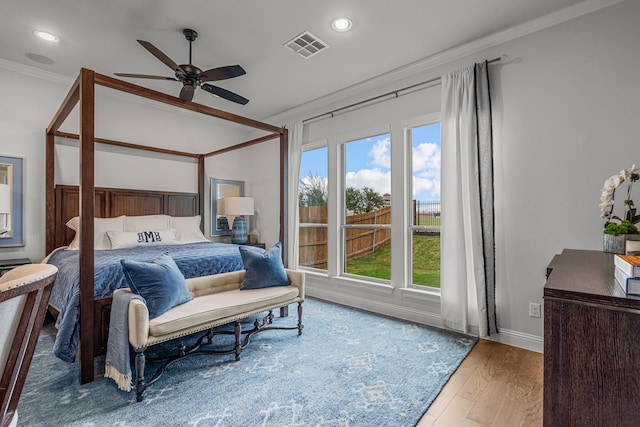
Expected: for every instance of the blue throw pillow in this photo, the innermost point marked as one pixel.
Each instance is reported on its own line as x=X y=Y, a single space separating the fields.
x=159 y=282
x=264 y=268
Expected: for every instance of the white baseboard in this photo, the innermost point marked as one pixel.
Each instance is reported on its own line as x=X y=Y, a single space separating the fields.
x=506 y=336
x=519 y=339
x=391 y=310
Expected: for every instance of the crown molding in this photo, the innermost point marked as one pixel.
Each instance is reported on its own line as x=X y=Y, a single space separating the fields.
x=31 y=71
x=447 y=56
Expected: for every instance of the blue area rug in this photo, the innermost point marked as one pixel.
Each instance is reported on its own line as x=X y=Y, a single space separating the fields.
x=348 y=368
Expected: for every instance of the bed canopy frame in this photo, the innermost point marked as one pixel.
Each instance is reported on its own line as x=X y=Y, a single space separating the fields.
x=83 y=92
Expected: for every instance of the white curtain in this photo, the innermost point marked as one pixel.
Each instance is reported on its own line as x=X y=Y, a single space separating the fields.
x=468 y=260
x=295 y=152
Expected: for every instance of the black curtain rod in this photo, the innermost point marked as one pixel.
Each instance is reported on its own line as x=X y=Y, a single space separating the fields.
x=393 y=92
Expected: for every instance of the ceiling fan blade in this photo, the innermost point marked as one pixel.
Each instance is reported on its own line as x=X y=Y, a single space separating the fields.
x=223 y=93
x=160 y=55
x=187 y=92
x=222 y=73
x=145 y=76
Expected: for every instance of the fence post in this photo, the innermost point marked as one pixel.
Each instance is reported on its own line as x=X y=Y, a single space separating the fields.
x=415 y=214
x=375 y=222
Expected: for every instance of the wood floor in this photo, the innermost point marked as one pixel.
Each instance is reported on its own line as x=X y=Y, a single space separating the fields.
x=496 y=385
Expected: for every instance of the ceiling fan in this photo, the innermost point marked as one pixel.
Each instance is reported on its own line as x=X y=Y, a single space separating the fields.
x=192 y=76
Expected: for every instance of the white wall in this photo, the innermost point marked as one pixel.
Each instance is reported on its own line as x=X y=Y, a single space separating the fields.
x=566 y=107
x=26 y=108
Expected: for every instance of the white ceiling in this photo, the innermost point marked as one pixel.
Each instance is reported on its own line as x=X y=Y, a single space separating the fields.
x=101 y=35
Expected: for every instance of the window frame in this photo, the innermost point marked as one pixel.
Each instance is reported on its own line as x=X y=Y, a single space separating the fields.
x=408 y=125
x=316 y=145
x=341 y=211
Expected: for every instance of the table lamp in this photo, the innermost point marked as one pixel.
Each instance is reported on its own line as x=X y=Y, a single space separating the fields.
x=239 y=206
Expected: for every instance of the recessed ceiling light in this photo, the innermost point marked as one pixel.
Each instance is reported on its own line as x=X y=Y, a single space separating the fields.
x=341 y=24
x=46 y=36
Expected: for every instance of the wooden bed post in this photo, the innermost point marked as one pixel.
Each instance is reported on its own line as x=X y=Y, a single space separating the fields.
x=201 y=185
x=284 y=186
x=61 y=115
x=87 y=200
x=49 y=190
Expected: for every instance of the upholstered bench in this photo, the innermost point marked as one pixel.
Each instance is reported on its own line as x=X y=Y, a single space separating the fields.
x=217 y=300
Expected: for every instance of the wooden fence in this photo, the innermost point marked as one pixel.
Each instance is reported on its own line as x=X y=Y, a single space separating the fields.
x=359 y=241
x=312 y=240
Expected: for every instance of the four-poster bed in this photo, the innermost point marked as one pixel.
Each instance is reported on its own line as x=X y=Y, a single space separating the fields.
x=87 y=201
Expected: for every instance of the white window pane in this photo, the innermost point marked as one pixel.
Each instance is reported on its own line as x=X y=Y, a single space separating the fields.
x=425 y=205
x=312 y=205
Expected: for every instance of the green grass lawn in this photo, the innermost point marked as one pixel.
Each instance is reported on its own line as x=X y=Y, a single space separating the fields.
x=429 y=221
x=426 y=262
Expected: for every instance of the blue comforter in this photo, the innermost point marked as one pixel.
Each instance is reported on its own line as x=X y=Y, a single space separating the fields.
x=194 y=260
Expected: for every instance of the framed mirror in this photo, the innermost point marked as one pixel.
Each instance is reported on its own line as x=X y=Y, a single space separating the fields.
x=10 y=201
x=221 y=188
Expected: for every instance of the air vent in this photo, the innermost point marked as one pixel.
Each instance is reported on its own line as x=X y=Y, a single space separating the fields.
x=306 y=45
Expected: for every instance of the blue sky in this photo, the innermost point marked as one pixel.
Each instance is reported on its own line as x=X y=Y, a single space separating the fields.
x=368 y=161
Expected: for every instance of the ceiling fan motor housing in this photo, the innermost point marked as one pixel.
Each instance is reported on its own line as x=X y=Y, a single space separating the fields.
x=190 y=34
x=189 y=74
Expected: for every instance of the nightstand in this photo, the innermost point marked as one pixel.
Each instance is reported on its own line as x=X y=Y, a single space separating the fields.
x=8 y=264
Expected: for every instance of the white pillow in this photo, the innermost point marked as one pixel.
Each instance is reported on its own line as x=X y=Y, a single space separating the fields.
x=187 y=229
x=146 y=222
x=131 y=239
x=100 y=228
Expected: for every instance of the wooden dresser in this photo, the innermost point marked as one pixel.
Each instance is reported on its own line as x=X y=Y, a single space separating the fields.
x=591 y=344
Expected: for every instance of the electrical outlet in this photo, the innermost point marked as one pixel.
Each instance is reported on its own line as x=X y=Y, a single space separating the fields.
x=534 y=309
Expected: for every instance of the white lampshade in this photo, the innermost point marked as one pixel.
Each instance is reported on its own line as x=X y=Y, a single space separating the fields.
x=238 y=206
x=5 y=199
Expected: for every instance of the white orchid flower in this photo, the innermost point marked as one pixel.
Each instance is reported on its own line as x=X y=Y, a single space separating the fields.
x=606 y=196
x=627 y=172
x=613 y=182
x=608 y=191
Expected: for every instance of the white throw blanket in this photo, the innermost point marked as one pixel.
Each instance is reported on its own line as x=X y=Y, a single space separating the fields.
x=117 y=365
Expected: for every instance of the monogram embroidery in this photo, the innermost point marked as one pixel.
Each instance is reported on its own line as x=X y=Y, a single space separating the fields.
x=149 y=237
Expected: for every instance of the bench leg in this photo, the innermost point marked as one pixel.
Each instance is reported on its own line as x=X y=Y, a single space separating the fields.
x=237 y=329
x=300 y=325
x=140 y=384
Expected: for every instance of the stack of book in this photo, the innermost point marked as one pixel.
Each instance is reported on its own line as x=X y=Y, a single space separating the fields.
x=628 y=273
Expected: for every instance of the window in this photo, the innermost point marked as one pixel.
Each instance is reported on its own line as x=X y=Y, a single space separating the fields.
x=366 y=217
x=312 y=205
x=425 y=205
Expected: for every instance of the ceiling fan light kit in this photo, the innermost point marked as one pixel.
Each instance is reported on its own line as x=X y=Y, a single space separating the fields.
x=191 y=76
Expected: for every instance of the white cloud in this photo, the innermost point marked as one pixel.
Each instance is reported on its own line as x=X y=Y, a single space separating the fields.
x=426 y=156
x=375 y=179
x=381 y=153
x=426 y=170
x=429 y=186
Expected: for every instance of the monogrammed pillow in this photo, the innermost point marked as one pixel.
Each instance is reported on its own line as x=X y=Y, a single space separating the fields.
x=130 y=239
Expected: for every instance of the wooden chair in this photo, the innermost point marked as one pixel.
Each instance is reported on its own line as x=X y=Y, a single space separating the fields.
x=24 y=296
